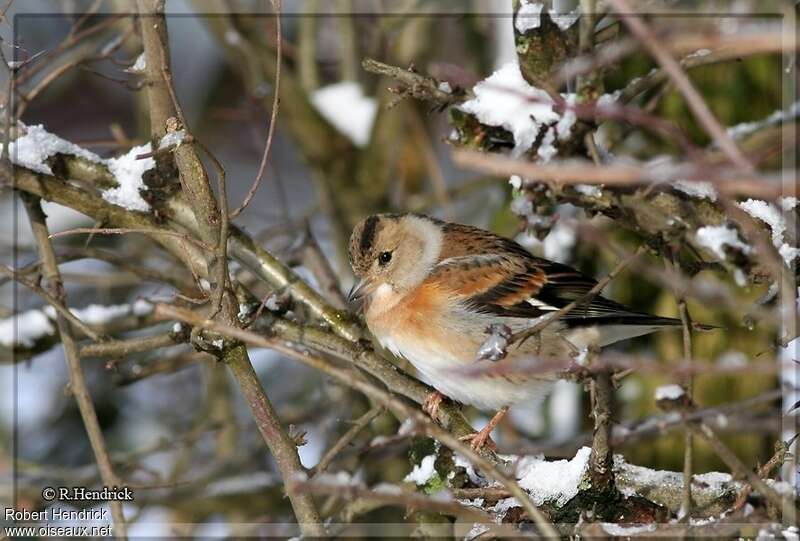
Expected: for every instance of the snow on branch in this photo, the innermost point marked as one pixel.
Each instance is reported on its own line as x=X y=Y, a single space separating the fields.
x=36 y=147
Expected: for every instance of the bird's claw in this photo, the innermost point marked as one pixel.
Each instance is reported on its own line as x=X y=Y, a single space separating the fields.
x=431 y=404
x=479 y=440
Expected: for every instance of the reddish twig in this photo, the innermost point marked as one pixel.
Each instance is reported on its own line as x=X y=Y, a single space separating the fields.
x=693 y=98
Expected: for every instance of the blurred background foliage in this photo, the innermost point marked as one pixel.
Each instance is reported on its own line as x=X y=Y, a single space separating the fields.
x=187 y=423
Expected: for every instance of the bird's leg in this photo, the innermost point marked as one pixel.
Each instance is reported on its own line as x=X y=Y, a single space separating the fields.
x=479 y=439
x=431 y=404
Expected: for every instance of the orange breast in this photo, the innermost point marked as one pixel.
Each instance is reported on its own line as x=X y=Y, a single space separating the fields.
x=417 y=314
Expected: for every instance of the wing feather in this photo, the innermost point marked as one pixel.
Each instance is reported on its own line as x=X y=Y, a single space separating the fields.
x=495 y=275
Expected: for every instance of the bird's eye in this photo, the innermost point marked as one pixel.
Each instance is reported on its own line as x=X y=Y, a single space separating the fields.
x=384 y=257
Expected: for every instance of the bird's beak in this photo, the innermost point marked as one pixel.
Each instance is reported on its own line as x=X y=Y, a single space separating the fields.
x=358 y=290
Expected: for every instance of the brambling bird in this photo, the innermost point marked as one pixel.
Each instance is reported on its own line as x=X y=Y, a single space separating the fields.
x=432 y=290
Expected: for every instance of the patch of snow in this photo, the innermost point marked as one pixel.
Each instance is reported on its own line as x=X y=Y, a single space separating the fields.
x=555 y=481
x=716 y=237
x=474 y=477
x=713 y=479
x=173 y=138
x=770 y=215
x=565 y=20
x=31 y=326
x=746 y=128
x=128 y=171
x=568 y=119
x=788 y=253
x=346 y=107
x=788 y=203
x=608 y=101
x=141 y=308
x=474 y=502
x=476 y=530
x=632 y=476
x=547 y=149
x=589 y=190
x=37 y=145
x=273 y=303
x=494 y=347
x=97 y=314
x=505 y=99
x=502 y=507
x=516 y=182
x=700 y=189
x=339 y=479
x=699 y=53
x=444 y=86
x=559 y=242
x=529 y=16
x=624 y=530
x=35 y=324
x=767 y=213
x=139 y=65
x=669 y=392
x=244 y=311
x=781 y=487
x=177 y=328
x=422 y=472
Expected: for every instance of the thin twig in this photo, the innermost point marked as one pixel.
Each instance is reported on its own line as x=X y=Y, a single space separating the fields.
x=358 y=425
x=775 y=461
x=688 y=385
x=52 y=300
x=577 y=172
x=314 y=260
x=128 y=230
x=705 y=432
x=122 y=348
x=693 y=98
x=520 y=336
x=78 y=385
x=414 y=84
x=276 y=100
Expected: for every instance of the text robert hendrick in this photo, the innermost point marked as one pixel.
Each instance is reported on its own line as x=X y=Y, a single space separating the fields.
x=83 y=494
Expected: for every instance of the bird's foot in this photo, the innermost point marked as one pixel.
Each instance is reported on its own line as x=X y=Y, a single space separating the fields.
x=482 y=438
x=431 y=404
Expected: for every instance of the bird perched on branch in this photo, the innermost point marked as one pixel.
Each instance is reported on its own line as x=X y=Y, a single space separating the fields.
x=449 y=297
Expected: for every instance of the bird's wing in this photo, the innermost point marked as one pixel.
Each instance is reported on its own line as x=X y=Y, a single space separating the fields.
x=495 y=284
x=495 y=275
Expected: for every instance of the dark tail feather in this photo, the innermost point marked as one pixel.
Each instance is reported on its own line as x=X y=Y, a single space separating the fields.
x=636 y=318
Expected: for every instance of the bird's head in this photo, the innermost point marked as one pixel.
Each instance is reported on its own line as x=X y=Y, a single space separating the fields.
x=393 y=250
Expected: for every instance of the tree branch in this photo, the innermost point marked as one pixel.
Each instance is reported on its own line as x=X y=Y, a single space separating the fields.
x=78 y=385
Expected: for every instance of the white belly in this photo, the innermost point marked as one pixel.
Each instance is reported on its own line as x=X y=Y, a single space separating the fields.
x=447 y=375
